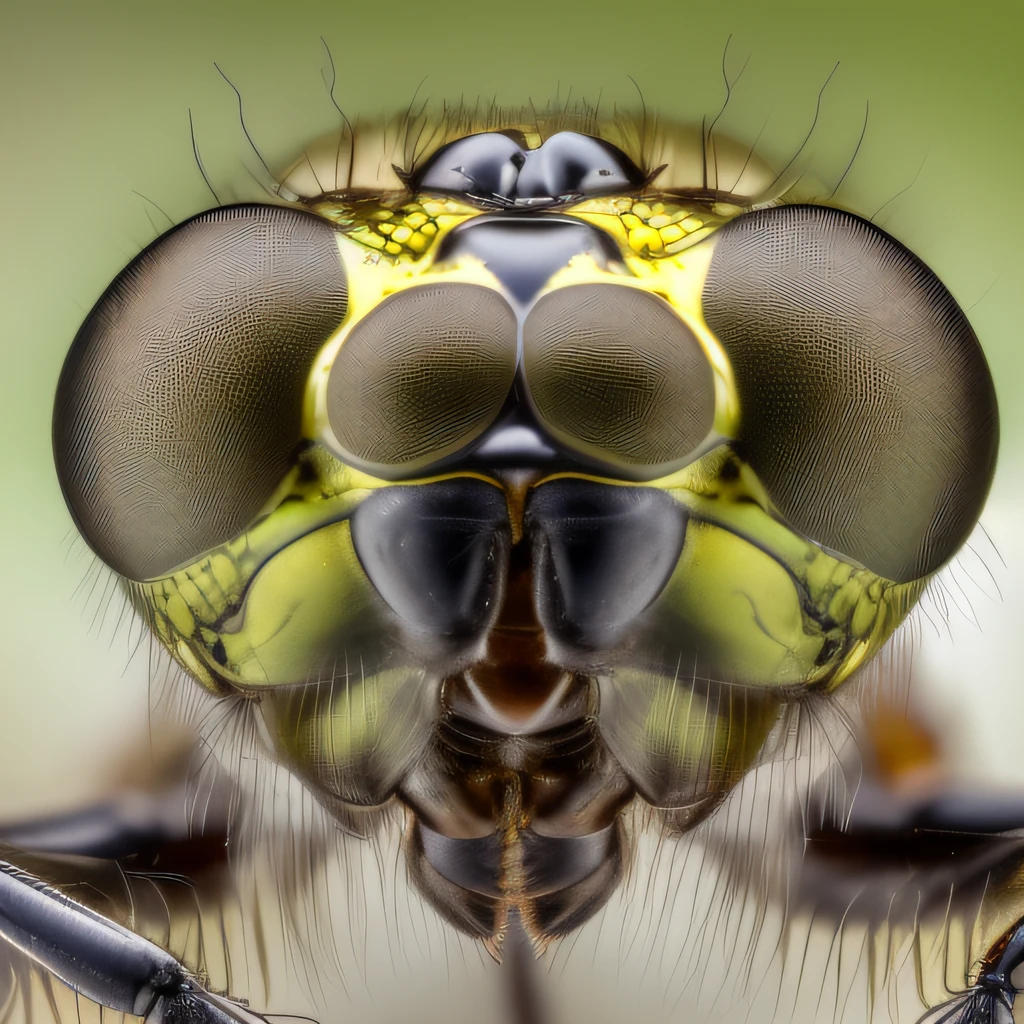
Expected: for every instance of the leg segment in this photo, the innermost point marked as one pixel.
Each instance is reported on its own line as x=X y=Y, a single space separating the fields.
x=103 y=961
x=990 y=999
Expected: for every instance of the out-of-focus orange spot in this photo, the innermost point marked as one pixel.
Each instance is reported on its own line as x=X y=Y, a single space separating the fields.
x=905 y=752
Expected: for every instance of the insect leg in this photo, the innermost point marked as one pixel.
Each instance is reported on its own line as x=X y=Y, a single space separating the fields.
x=903 y=854
x=103 y=961
x=990 y=999
x=133 y=822
x=1004 y=958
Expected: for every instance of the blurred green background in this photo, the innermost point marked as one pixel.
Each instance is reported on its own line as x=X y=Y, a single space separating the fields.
x=95 y=111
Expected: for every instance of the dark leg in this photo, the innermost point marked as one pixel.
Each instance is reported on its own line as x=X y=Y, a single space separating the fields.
x=103 y=961
x=990 y=999
x=121 y=837
x=920 y=854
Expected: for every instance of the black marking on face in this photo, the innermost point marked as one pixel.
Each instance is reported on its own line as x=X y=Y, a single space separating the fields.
x=495 y=170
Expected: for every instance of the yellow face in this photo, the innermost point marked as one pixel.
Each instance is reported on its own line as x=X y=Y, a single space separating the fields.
x=754 y=429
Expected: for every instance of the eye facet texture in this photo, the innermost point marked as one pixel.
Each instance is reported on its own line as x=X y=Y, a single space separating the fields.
x=422 y=375
x=614 y=371
x=868 y=409
x=180 y=403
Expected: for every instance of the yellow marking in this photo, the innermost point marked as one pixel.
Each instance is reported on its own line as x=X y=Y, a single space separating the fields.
x=620 y=216
x=273 y=597
x=193 y=597
x=844 y=600
x=864 y=615
x=644 y=237
x=186 y=657
x=419 y=242
x=372 y=221
x=223 y=571
x=727 y=210
x=841 y=574
x=819 y=572
x=856 y=657
x=368 y=286
x=180 y=616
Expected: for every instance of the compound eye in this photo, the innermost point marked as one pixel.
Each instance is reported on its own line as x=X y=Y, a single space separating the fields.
x=614 y=373
x=421 y=376
x=868 y=409
x=180 y=403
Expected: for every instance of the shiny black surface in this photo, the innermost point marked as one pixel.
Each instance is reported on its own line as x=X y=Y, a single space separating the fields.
x=602 y=553
x=495 y=169
x=436 y=553
x=523 y=253
x=550 y=863
x=103 y=961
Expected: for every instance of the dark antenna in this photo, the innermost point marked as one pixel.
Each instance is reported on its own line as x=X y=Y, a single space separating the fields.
x=643 y=121
x=414 y=148
x=536 y=116
x=412 y=122
x=156 y=206
x=810 y=131
x=241 y=120
x=728 y=95
x=344 y=117
x=906 y=188
x=199 y=159
x=750 y=155
x=863 y=130
x=312 y=171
